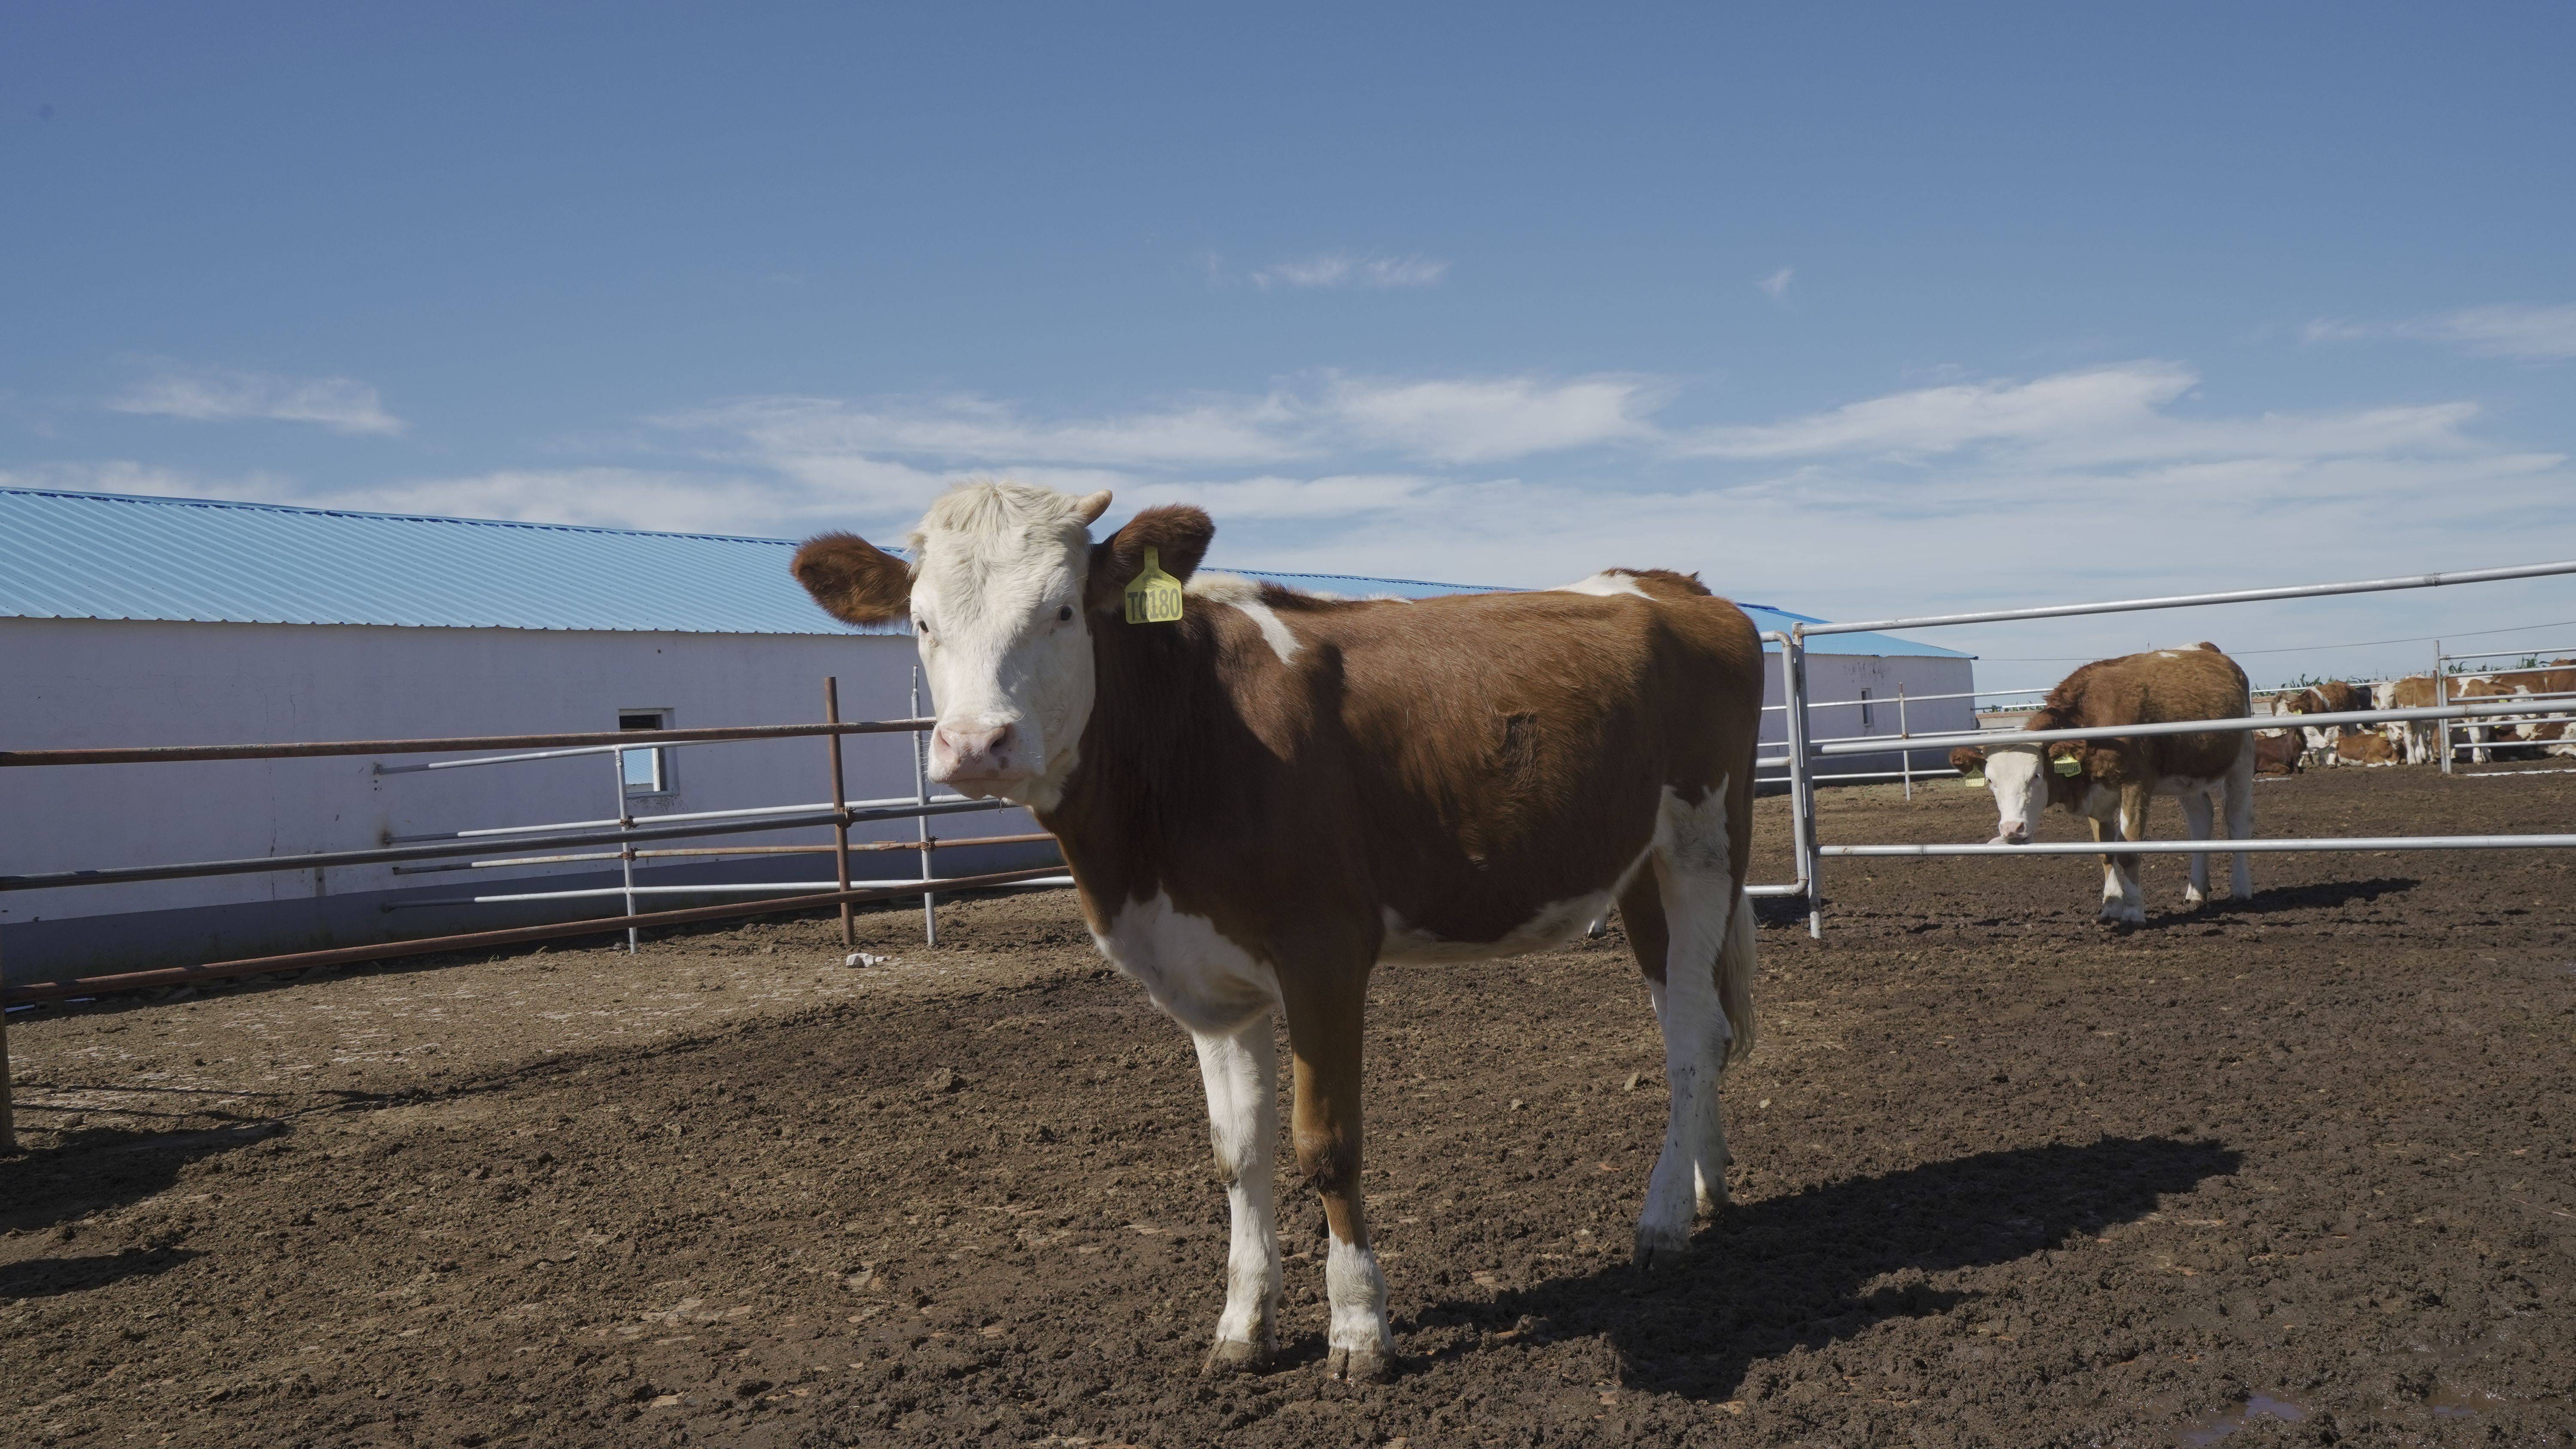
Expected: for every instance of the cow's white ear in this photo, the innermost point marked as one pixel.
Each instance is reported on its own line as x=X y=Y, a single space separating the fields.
x=1089 y=509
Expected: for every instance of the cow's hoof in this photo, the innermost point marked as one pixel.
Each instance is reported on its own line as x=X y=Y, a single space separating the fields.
x=1365 y=1365
x=1660 y=1250
x=1234 y=1356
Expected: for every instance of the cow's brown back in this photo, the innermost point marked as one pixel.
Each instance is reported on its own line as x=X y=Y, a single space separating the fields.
x=1458 y=761
x=2155 y=687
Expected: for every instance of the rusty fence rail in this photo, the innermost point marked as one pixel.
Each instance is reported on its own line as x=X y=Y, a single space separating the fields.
x=544 y=845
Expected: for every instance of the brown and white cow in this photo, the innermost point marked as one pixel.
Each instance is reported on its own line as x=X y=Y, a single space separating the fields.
x=2484 y=735
x=2110 y=781
x=2277 y=752
x=2417 y=737
x=1265 y=798
x=2365 y=750
x=2331 y=697
x=2552 y=683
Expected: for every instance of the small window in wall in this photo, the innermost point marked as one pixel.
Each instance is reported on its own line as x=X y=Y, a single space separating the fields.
x=1865 y=720
x=646 y=772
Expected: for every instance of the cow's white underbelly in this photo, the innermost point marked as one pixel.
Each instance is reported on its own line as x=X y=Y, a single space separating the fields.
x=1557 y=922
x=1552 y=924
x=1198 y=976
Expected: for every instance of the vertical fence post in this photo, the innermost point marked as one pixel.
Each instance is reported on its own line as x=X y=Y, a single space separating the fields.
x=841 y=807
x=8 y=1112
x=2442 y=697
x=921 y=796
x=625 y=848
x=1802 y=788
x=1905 y=754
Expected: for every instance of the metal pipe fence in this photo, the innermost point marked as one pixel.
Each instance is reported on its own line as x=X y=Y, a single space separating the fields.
x=556 y=843
x=2477 y=740
x=1802 y=748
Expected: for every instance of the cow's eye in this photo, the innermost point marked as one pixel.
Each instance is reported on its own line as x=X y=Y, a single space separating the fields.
x=920 y=628
x=1064 y=614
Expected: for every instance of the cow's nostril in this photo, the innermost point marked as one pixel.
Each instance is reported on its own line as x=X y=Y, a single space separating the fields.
x=972 y=745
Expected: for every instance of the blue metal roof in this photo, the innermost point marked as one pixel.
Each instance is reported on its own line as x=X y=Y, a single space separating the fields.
x=66 y=555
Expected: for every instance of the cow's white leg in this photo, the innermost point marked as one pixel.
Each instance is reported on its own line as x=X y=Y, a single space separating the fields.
x=2124 y=901
x=2240 y=826
x=1362 y=1343
x=2196 y=816
x=1241 y=1070
x=1699 y=894
x=1709 y=1155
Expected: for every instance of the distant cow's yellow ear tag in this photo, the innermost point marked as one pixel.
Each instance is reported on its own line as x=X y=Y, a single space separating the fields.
x=2069 y=765
x=1153 y=596
x=1976 y=779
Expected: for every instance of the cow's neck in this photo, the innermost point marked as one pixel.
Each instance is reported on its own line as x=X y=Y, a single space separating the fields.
x=1154 y=760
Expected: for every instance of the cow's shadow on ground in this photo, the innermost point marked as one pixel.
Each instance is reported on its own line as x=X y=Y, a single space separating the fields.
x=45 y=1277
x=1828 y=1262
x=2325 y=896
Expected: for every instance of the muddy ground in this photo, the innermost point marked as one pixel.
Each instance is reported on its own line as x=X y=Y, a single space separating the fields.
x=2293 y=1170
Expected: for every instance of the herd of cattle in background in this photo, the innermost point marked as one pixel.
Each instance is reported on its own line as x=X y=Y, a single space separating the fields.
x=2419 y=742
x=2545 y=731
x=2110 y=782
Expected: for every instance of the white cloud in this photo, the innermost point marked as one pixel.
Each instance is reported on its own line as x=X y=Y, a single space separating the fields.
x=1345 y=269
x=2089 y=483
x=591 y=497
x=1326 y=416
x=1936 y=420
x=2532 y=334
x=1483 y=419
x=2109 y=416
x=344 y=405
x=2515 y=330
x=979 y=430
x=1777 y=284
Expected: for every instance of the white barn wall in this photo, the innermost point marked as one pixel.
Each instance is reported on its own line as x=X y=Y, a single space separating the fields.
x=80 y=682
x=1844 y=676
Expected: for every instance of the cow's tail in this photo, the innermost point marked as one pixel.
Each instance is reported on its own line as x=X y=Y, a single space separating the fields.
x=1735 y=978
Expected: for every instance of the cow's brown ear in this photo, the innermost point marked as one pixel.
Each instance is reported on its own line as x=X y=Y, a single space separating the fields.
x=1179 y=536
x=855 y=581
x=1968 y=760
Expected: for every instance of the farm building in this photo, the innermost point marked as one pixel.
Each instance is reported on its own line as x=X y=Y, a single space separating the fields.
x=157 y=621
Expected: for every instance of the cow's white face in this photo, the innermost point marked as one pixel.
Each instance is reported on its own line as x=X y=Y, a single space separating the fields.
x=1003 y=604
x=2017 y=776
x=997 y=613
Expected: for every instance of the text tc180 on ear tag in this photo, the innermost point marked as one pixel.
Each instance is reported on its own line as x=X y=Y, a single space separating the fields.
x=1153 y=596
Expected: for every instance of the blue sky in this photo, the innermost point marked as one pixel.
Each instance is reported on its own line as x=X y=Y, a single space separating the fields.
x=1857 y=310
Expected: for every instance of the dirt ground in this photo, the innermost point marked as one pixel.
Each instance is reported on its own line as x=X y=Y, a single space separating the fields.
x=2293 y=1170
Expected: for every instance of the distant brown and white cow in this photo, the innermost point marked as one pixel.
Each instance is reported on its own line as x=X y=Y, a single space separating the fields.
x=2110 y=781
x=2552 y=683
x=2277 y=752
x=1266 y=797
x=2331 y=697
x=2365 y=750
x=2416 y=737
x=2483 y=734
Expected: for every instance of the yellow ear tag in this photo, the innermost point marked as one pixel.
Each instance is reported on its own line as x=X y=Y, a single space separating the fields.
x=2068 y=765
x=1978 y=780
x=1153 y=596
